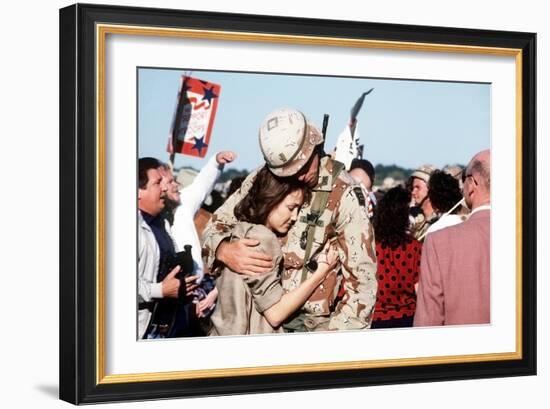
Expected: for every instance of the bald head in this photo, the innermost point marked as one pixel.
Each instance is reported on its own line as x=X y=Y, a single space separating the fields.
x=477 y=181
x=480 y=167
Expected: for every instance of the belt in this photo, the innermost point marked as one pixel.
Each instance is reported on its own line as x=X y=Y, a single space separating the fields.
x=150 y=305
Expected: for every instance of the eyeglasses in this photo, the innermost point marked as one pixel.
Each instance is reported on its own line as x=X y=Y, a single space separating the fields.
x=466 y=176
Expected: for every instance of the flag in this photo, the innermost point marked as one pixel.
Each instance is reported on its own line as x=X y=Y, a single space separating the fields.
x=347 y=146
x=193 y=117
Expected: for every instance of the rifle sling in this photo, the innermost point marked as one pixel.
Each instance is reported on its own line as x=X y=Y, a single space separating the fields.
x=317 y=208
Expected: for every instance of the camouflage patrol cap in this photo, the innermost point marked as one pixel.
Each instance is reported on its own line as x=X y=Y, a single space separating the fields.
x=456 y=172
x=287 y=141
x=424 y=172
x=453 y=170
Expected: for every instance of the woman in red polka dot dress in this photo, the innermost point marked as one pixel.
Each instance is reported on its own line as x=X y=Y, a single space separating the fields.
x=398 y=258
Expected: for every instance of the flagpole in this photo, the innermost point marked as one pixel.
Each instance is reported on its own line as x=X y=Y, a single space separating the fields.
x=179 y=111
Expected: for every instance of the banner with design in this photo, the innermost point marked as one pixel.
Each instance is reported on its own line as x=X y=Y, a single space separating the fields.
x=194 y=117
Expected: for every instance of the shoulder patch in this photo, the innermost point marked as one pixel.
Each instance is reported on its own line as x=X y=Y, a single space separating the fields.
x=360 y=196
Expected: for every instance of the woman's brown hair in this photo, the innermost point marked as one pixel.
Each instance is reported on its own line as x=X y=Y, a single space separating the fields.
x=266 y=192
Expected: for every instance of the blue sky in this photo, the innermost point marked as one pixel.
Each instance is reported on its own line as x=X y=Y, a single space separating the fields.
x=402 y=122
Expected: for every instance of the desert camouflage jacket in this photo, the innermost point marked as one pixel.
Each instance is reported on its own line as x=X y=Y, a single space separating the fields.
x=344 y=220
x=422 y=224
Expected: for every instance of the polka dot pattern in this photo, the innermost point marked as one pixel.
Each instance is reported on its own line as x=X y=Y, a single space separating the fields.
x=398 y=271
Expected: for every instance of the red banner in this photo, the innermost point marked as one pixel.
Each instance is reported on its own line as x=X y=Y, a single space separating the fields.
x=194 y=117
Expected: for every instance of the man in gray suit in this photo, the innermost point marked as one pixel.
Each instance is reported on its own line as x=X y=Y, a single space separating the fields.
x=454 y=285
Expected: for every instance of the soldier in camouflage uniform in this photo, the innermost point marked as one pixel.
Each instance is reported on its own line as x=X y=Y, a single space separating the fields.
x=425 y=215
x=292 y=147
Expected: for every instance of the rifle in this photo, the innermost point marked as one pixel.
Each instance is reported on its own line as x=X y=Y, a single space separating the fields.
x=324 y=131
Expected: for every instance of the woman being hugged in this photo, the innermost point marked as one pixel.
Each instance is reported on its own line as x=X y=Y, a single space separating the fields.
x=257 y=304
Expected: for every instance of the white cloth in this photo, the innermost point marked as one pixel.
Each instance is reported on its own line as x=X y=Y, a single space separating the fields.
x=183 y=230
x=446 y=220
x=347 y=147
x=148 y=265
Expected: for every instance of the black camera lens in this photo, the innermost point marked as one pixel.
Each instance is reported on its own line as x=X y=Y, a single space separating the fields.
x=312 y=265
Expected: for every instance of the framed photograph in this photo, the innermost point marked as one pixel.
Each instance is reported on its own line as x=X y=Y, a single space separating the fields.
x=191 y=89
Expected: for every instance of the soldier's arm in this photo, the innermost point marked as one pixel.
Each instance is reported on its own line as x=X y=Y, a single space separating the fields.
x=358 y=257
x=239 y=256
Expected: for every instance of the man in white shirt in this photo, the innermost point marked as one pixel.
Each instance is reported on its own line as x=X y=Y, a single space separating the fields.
x=180 y=214
x=150 y=204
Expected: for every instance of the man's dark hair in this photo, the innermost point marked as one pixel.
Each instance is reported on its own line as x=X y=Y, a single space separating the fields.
x=443 y=191
x=144 y=164
x=216 y=200
x=266 y=192
x=391 y=219
x=364 y=165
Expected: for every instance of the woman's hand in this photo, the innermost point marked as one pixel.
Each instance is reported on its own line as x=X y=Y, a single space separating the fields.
x=328 y=257
x=206 y=304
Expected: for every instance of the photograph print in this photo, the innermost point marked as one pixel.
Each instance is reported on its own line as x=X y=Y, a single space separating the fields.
x=277 y=203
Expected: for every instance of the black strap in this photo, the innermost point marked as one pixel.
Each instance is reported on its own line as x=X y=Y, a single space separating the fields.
x=150 y=305
x=312 y=219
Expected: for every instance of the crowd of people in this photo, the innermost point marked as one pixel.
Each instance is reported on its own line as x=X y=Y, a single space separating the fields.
x=304 y=244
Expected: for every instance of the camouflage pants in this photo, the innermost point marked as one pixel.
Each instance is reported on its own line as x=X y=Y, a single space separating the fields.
x=306 y=323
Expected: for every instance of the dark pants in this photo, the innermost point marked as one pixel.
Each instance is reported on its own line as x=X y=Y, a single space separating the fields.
x=405 y=321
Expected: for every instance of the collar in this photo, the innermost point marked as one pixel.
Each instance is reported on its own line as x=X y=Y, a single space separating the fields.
x=480 y=208
x=142 y=221
x=149 y=219
x=325 y=182
x=432 y=218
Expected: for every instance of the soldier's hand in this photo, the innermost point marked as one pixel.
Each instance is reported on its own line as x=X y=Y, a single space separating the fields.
x=225 y=157
x=170 y=284
x=190 y=284
x=241 y=257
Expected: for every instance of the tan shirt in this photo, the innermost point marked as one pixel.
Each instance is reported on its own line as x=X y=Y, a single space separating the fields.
x=243 y=299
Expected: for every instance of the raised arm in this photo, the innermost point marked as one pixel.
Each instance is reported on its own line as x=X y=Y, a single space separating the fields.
x=194 y=194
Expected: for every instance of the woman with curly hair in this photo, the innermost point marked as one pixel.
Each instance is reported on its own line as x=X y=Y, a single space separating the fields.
x=257 y=304
x=398 y=259
x=445 y=195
